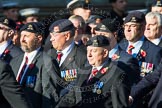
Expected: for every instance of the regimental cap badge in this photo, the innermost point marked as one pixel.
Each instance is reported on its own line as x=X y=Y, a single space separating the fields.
x=6 y=21
x=30 y=27
x=103 y=27
x=95 y=43
x=158 y=3
x=133 y=19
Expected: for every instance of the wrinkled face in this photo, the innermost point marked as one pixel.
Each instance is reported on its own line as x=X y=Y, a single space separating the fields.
x=4 y=31
x=84 y=13
x=152 y=29
x=133 y=31
x=31 y=19
x=12 y=14
x=58 y=39
x=96 y=55
x=120 y=5
x=29 y=42
x=156 y=9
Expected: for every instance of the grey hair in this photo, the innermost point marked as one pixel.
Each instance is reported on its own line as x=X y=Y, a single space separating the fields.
x=155 y=15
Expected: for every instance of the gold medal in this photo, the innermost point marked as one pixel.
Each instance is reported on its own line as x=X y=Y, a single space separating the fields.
x=98 y=91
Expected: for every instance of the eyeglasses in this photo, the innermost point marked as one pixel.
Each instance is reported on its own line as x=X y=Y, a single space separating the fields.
x=131 y=26
x=3 y=28
x=57 y=33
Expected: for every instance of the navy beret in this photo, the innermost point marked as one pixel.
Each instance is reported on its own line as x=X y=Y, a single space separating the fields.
x=157 y=3
x=102 y=28
x=135 y=16
x=98 y=41
x=8 y=22
x=34 y=27
x=111 y=24
x=73 y=4
x=63 y=24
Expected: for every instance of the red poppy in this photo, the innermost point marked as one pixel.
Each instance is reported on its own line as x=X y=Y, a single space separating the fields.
x=103 y=70
x=6 y=51
x=143 y=53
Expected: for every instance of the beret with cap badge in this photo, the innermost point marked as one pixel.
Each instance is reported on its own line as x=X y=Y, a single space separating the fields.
x=157 y=3
x=8 y=22
x=98 y=41
x=63 y=24
x=136 y=17
x=33 y=27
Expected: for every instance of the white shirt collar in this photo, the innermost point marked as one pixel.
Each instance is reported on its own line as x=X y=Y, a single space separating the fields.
x=137 y=45
x=156 y=41
x=65 y=52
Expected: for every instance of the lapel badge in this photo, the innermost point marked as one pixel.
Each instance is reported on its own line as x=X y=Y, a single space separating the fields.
x=30 y=27
x=97 y=87
x=6 y=21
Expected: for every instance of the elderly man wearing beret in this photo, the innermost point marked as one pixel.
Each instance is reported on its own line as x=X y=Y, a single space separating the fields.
x=34 y=69
x=104 y=85
x=7 y=31
x=138 y=46
x=157 y=6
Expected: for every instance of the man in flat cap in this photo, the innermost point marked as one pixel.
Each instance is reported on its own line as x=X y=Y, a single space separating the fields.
x=11 y=9
x=7 y=31
x=29 y=15
x=81 y=8
x=138 y=46
x=157 y=6
x=34 y=70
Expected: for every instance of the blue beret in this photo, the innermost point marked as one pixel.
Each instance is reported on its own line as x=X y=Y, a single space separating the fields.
x=63 y=24
x=8 y=22
x=135 y=16
x=34 y=27
x=98 y=41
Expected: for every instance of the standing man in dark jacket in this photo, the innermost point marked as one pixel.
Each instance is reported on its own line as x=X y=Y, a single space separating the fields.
x=10 y=89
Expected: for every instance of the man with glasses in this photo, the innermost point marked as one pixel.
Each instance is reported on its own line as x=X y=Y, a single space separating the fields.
x=7 y=31
x=138 y=46
x=62 y=37
x=69 y=56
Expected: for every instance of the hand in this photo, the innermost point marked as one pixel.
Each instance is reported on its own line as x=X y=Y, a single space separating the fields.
x=130 y=100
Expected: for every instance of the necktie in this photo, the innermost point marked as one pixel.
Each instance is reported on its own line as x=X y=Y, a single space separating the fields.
x=59 y=55
x=130 y=48
x=93 y=73
x=22 y=70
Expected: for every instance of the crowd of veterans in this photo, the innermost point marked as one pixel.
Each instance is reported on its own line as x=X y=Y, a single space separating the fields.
x=81 y=60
